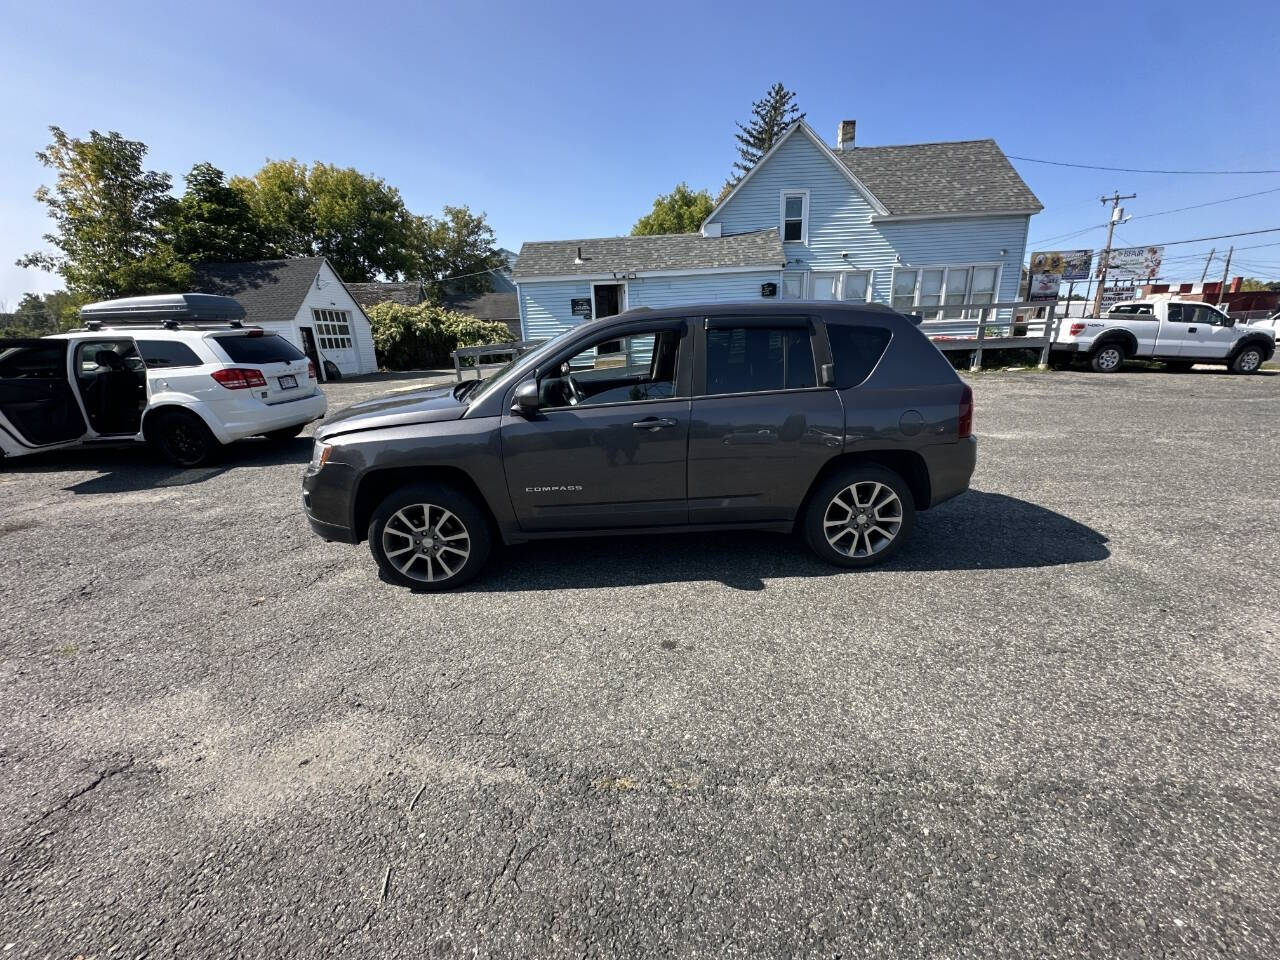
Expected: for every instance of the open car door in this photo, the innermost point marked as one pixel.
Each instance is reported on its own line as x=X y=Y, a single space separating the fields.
x=38 y=407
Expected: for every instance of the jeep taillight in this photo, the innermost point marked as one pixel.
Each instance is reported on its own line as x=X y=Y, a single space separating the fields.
x=239 y=378
x=311 y=370
x=1076 y=329
x=966 y=412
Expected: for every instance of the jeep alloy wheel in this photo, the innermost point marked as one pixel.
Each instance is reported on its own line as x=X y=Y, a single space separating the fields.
x=863 y=519
x=426 y=542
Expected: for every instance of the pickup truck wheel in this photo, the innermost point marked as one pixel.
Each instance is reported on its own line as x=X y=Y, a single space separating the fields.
x=1107 y=358
x=183 y=438
x=859 y=517
x=1248 y=360
x=429 y=537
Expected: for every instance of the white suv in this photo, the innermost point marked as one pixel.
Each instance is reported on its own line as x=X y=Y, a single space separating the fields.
x=178 y=371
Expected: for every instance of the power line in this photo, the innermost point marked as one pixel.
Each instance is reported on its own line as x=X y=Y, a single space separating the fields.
x=1180 y=173
x=1221 y=236
x=1211 y=203
x=1158 y=213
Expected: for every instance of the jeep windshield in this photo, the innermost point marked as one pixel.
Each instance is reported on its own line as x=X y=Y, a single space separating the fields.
x=509 y=372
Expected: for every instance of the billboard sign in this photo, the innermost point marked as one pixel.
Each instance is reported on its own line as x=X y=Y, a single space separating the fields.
x=1135 y=261
x=1050 y=268
x=1113 y=295
x=1069 y=264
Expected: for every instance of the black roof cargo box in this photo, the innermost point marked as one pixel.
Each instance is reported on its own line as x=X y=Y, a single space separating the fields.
x=195 y=308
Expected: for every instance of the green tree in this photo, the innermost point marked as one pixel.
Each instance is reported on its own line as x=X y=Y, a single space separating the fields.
x=1250 y=284
x=213 y=221
x=39 y=314
x=680 y=211
x=420 y=337
x=770 y=118
x=458 y=247
x=357 y=221
x=110 y=218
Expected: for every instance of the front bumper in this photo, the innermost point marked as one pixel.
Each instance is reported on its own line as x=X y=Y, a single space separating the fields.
x=328 y=497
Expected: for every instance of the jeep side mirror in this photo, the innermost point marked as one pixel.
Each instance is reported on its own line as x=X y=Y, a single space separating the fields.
x=525 y=402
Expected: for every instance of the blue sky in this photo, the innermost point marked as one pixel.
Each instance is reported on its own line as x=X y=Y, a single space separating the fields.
x=564 y=120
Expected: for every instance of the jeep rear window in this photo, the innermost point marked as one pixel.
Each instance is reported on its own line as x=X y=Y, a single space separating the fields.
x=856 y=351
x=268 y=348
x=167 y=353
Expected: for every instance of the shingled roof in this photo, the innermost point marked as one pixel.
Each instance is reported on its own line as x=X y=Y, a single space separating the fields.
x=671 y=251
x=271 y=291
x=407 y=293
x=966 y=176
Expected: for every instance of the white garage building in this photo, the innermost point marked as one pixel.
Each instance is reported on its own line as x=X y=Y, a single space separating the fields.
x=305 y=301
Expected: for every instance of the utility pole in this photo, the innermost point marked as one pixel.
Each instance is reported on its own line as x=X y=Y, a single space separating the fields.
x=1205 y=272
x=1116 y=214
x=1222 y=294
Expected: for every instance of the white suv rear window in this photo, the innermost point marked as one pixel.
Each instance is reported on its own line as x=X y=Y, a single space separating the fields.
x=267 y=348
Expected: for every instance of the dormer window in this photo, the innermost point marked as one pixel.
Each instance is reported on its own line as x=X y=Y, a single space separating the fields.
x=795 y=216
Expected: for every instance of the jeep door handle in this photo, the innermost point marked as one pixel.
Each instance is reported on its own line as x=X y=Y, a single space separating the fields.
x=654 y=423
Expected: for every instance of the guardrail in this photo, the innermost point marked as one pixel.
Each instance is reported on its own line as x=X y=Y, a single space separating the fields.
x=954 y=327
x=993 y=326
x=508 y=351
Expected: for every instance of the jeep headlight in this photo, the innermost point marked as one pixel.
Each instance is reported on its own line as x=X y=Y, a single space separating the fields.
x=320 y=454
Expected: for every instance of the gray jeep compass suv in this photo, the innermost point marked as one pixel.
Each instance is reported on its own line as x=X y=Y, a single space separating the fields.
x=835 y=421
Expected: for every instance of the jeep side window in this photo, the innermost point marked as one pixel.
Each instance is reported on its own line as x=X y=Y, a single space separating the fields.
x=756 y=359
x=856 y=350
x=628 y=369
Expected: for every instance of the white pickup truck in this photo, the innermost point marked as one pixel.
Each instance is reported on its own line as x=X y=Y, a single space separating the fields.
x=1178 y=332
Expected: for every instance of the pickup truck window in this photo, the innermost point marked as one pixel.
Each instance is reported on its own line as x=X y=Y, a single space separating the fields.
x=1143 y=309
x=1175 y=314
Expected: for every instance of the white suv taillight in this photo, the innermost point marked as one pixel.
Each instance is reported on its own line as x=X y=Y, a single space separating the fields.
x=239 y=378
x=311 y=370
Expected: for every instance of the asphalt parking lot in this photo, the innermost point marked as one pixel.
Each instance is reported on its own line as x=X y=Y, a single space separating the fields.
x=1048 y=728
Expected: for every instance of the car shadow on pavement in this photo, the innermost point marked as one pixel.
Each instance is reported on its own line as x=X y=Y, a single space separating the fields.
x=130 y=469
x=976 y=531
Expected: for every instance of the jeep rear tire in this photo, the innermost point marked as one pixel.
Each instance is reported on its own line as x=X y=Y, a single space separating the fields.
x=1248 y=359
x=429 y=537
x=859 y=516
x=1108 y=358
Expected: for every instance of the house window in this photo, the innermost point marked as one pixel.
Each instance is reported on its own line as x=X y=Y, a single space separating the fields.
x=795 y=216
x=793 y=286
x=926 y=289
x=855 y=286
x=333 y=329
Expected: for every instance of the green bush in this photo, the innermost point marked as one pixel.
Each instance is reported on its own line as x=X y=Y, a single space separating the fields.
x=417 y=338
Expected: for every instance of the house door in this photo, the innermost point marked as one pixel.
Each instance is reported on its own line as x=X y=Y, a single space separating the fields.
x=309 y=348
x=609 y=299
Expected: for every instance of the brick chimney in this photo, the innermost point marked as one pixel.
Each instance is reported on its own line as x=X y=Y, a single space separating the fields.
x=844 y=136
